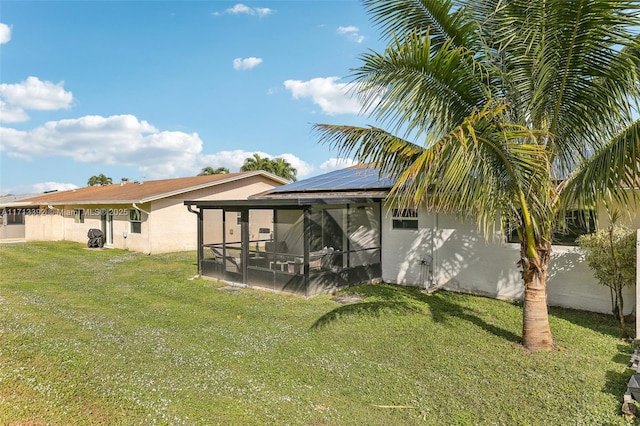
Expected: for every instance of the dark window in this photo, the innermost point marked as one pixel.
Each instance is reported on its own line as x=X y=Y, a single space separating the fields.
x=78 y=215
x=135 y=217
x=405 y=218
x=575 y=223
x=14 y=217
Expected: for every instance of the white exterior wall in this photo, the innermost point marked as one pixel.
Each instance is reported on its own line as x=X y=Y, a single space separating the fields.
x=464 y=261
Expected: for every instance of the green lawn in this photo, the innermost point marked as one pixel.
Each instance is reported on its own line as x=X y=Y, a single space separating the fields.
x=114 y=337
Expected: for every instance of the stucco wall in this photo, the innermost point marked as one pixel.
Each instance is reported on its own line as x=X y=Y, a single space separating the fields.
x=60 y=224
x=12 y=232
x=463 y=260
x=173 y=228
x=169 y=226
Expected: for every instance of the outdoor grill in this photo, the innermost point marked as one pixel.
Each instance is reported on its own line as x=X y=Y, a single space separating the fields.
x=95 y=238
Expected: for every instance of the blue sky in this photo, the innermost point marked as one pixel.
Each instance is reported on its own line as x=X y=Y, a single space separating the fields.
x=157 y=89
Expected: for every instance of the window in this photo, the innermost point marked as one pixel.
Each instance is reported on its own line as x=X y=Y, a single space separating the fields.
x=13 y=217
x=135 y=217
x=78 y=215
x=405 y=218
x=575 y=223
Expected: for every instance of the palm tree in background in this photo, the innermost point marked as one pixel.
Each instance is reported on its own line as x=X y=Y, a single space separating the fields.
x=284 y=169
x=519 y=110
x=206 y=171
x=256 y=162
x=99 y=180
x=277 y=166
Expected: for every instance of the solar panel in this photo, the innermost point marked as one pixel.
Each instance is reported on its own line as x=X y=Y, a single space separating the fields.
x=352 y=178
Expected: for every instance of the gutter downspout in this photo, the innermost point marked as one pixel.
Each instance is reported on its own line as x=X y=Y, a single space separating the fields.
x=138 y=208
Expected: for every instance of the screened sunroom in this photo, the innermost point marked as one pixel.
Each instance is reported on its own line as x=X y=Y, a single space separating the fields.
x=298 y=238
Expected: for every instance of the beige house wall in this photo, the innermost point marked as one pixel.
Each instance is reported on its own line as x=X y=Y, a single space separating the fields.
x=166 y=226
x=173 y=228
x=44 y=227
x=59 y=224
x=12 y=232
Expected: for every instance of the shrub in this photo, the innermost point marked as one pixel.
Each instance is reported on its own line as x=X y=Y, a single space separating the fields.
x=611 y=254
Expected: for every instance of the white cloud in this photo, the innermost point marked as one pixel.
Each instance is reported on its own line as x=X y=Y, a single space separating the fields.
x=241 y=9
x=352 y=33
x=116 y=140
x=336 y=164
x=246 y=63
x=125 y=140
x=5 y=33
x=332 y=97
x=11 y=113
x=39 y=188
x=31 y=94
x=303 y=168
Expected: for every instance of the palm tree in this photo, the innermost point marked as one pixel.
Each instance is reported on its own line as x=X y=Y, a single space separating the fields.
x=278 y=166
x=284 y=169
x=99 y=180
x=256 y=163
x=519 y=110
x=206 y=171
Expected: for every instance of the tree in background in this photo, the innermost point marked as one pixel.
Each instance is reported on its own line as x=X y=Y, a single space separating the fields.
x=100 y=180
x=206 y=171
x=281 y=167
x=502 y=108
x=277 y=166
x=255 y=163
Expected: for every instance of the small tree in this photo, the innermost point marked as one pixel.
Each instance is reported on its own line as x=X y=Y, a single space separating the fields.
x=611 y=254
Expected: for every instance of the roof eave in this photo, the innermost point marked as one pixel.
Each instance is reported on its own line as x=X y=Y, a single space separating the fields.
x=213 y=183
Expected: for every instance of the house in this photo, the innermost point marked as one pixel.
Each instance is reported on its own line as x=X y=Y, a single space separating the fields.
x=338 y=229
x=147 y=217
x=12 y=217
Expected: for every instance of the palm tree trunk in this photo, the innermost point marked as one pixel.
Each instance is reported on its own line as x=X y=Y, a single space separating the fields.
x=536 y=332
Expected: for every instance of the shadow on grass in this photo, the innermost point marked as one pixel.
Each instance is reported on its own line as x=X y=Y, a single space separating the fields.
x=601 y=323
x=402 y=300
x=616 y=381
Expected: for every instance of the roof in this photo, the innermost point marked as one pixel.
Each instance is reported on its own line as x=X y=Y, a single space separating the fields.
x=355 y=184
x=142 y=192
x=14 y=200
x=355 y=178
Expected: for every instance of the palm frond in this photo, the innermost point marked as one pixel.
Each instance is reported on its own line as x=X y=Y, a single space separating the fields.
x=612 y=170
x=422 y=89
x=446 y=20
x=475 y=171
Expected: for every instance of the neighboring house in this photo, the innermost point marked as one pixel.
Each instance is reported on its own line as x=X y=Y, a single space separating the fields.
x=12 y=217
x=336 y=229
x=147 y=217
